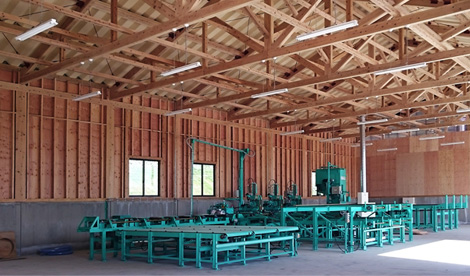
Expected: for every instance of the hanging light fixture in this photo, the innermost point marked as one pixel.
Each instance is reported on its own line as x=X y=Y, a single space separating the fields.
x=171 y=113
x=293 y=132
x=38 y=29
x=86 y=96
x=331 y=139
x=270 y=93
x=404 y=130
x=372 y=122
x=453 y=143
x=400 y=68
x=431 y=138
x=181 y=69
x=328 y=30
x=389 y=149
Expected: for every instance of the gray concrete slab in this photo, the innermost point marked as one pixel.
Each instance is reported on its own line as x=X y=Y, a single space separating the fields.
x=329 y=261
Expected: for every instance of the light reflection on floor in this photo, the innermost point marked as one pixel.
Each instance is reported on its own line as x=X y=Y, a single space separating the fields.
x=445 y=251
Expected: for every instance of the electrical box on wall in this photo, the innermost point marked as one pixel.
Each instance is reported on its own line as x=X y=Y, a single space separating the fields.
x=411 y=200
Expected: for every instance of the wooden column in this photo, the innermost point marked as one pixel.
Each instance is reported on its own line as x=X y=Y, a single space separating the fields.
x=110 y=184
x=21 y=145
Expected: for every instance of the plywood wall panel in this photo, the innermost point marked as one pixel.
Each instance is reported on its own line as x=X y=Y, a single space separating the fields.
x=6 y=100
x=83 y=160
x=47 y=159
x=95 y=161
x=6 y=153
x=72 y=160
x=443 y=169
x=59 y=169
x=446 y=171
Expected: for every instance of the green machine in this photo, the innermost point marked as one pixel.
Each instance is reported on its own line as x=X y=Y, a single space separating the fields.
x=275 y=200
x=254 y=201
x=331 y=182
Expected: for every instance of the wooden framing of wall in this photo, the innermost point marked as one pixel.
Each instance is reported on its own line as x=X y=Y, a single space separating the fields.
x=419 y=168
x=54 y=148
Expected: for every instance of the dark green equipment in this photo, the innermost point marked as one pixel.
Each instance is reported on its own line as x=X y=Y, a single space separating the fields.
x=331 y=182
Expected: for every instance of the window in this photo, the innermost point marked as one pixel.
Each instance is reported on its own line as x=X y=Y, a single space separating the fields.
x=144 y=177
x=314 y=184
x=203 y=180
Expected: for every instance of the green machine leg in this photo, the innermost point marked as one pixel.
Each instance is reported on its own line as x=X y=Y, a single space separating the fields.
x=92 y=246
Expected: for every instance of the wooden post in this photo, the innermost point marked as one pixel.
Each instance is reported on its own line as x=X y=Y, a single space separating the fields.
x=21 y=144
x=110 y=188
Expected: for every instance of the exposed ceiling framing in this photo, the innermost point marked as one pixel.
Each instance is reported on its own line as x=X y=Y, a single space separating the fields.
x=249 y=46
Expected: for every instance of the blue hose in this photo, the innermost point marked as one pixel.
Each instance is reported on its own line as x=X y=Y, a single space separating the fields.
x=56 y=251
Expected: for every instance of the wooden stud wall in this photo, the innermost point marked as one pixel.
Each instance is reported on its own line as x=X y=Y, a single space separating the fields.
x=419 y=168
x=55 y=148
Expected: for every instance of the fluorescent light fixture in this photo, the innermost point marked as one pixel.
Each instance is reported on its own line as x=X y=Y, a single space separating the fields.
x=328 y=30
x=331 y=139
x=36 y=30
x=404 y=130
x=270 y=93
x=178 y=112
x=181 y=69
x=86 y=96
x=293 y=132
x=372 y=122
x=389 y=149
x=400 y=68
x=431 y=138
x=453 y=143
x=356 y=145
x=463 y=110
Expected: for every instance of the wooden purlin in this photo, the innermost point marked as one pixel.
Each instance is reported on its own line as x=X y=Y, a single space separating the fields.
x=357 y=32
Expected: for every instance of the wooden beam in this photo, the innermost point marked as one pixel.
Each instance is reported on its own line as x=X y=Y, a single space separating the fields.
x=128 y=41
x=382 y=92
x=354 y=33
x=341 y=75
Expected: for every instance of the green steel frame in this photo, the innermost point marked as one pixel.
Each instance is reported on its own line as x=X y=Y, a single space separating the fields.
x=439 y=216
x=350 y=224
x=105 y=231
x=201 y=244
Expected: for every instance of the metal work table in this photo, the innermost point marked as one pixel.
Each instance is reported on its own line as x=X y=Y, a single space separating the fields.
x=204 y=243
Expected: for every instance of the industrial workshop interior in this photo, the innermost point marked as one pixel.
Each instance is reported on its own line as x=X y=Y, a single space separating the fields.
x=234 y=137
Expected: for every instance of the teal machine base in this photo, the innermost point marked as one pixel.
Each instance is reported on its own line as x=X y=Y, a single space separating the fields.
x=211 y=244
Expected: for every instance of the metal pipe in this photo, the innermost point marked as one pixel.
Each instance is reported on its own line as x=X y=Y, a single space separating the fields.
x=242 y=154
x=191 y=178
x=362 y=129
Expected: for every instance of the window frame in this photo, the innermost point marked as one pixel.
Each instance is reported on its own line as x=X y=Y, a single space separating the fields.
x=143 y=176
x=202 y=179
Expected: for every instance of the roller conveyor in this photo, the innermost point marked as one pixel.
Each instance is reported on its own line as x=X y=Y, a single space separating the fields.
x=214 y=244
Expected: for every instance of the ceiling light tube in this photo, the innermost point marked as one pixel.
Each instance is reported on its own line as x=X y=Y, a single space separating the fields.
x=328 y=30
x=180 y=69
x=293 y=132
x=270 y=93
x=400 y=68
x=463 y=110
x=389 y=149
x=404 y=130
x=331 y=139
x=86 y=96
x=453 y=143
x=431 y=138
x=36 y=30
x=171 y=113
x=356 y=145
x=372 y=122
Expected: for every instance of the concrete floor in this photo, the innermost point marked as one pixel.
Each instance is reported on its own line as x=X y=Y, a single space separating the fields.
x=323 y=262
